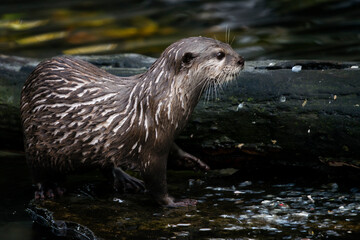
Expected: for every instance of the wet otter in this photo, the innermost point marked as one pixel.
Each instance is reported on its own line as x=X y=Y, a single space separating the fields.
x=76 y=115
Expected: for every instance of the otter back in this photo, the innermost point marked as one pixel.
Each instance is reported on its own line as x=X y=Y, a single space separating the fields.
x=68 y=109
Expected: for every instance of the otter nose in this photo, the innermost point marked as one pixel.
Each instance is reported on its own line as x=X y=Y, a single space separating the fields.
x=240 y=61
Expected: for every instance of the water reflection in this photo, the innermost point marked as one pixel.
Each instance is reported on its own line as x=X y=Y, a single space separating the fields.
x=286 y=210
x=229 y=207
x=260 y=29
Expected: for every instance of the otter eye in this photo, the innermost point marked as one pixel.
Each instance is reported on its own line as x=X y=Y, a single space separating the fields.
x=220 y=55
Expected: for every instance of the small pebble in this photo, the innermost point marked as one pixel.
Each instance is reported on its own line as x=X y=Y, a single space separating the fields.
x=240 y=106
x=183 y=224
x=282 y=99
x=238 y=192
x=245 y=184
x=310 y=198
x=302 y=214
x=204 y=229
x=118 y=200
x=296 y=68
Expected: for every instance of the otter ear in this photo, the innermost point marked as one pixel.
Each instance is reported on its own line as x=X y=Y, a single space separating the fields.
x=187 y=59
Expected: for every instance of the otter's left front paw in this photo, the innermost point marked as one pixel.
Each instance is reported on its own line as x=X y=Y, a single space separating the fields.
x=171 y=203
x=183 y=203
x=193 y=162
x=180 y=158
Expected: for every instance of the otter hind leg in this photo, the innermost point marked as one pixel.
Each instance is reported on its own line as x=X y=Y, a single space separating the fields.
x=154 y=173
x=181 y=158
x=48 y=191
x=123 y=182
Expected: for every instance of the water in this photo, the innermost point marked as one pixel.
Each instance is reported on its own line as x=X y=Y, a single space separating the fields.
x=15 y=184
x=259 y=29
x=229 y=207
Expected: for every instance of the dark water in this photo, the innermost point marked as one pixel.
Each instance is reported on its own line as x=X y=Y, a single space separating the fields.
x=259 y=29
x=229 y=206
x=15 y=184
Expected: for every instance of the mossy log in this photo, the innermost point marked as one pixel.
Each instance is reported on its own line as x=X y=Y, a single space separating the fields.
x=274 y=114
x=270 y=113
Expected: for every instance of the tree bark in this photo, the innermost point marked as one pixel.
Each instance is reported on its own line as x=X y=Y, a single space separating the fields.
x=270 y=113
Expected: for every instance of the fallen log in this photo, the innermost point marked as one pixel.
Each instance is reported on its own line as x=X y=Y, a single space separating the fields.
x=273 y=112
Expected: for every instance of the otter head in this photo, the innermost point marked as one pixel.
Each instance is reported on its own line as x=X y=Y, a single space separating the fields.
x=201 y=62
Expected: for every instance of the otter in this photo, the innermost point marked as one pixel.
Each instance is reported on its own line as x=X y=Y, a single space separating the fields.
x=75 y=115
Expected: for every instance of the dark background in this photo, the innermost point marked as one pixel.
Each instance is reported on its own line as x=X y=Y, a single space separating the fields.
x=259 y=29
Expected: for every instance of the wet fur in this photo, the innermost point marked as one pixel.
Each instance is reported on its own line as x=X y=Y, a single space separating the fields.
x=76 y=115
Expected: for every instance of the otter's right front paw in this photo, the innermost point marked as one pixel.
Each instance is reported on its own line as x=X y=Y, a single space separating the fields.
x=169 y=202
x=183 y=203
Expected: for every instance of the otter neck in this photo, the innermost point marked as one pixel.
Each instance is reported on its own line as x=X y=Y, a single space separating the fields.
x=171 y=99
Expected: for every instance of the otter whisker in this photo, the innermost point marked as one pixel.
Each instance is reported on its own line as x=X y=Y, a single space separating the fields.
x=232 y=40
x=201 y=83
x=204 y=88
x=219 y=86
x=209 y=89
x=227 y=34
x=216 y=91
x=204 y=83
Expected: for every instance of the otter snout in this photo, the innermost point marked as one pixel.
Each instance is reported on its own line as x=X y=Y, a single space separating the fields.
x=240 y=61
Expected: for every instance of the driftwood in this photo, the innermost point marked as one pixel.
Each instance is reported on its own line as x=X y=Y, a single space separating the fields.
x=270 y=113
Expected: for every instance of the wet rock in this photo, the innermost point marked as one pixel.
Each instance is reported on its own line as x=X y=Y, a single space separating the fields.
x=270 y=114
x=68 y=230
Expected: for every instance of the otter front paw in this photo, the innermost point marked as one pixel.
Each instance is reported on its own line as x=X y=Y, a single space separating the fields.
x=192 y=162
x=180 y=158
x=182 y=203
x=169 y=202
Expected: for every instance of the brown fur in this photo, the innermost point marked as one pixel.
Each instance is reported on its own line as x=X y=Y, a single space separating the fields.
x=76 y=115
